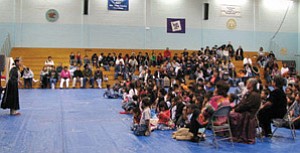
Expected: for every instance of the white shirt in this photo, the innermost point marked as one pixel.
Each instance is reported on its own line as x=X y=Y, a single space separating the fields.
x=173 y=110
x=247 y=61
x=49 y=63
x=118 y=61
x=146 y=115
x=225 y=53
x=284 y=70
x=132 y=93
x=28 y=74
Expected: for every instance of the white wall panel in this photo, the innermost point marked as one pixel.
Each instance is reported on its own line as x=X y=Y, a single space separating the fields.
x=258 y=22
x=6 y=11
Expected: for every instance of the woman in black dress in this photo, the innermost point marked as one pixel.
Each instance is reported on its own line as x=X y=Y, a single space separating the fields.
x=275 y=107
x=11 y=96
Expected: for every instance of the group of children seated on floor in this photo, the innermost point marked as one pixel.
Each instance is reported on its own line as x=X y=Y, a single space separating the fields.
x=157 y=106
x=186 y=109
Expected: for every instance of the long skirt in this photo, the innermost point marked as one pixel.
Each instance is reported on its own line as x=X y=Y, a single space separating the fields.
x=11 y=96
x=243 y=127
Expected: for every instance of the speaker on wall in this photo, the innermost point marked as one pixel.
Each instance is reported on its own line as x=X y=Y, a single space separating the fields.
x=85 y=7
x=206 y=11
x=2 y=63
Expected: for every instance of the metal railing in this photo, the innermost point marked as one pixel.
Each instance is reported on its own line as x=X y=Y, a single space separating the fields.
x=5 y=50
x=6 y=47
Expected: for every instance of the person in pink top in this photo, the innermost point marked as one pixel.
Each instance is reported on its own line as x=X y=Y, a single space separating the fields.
x=65 y=76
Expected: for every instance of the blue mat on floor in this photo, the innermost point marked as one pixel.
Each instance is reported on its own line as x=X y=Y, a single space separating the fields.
x=82 y=121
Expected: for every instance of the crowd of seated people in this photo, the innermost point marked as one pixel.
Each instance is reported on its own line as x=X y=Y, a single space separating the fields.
x=157 y=105
x=195 y=65
x=163 y=100
x=50 y=75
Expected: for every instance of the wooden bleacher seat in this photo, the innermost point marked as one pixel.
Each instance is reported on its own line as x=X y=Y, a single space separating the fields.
x=34 y=58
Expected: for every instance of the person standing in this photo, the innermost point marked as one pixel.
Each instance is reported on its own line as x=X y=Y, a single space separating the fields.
x=11 y=96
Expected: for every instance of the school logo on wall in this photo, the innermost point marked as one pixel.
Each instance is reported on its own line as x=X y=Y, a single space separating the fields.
x=231 y=24
x=52 y=15
x=175 y=25
x=118 y=5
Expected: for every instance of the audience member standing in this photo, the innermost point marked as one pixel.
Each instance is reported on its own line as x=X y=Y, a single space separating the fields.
x=167 y=54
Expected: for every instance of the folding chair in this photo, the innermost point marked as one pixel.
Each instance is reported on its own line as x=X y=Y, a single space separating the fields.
x=221 y=112
x=258 y=128
x=278 y=123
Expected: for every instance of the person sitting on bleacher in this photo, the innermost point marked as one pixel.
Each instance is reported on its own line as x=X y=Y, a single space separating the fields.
x=159 y=59
x=73 y=68
x=77 y=77
x=153 y=59
x=88 y=76
x=111 y=59
x=105 y=63
x=78 y=58
x=120 y=60
x=72 y=58
x=49 y=63
x=167 y=54
x=159 y=76
x=44 y=77
x=98 y=77
x=94 y=60
x=59 y=68
x=284 y=70
x=146 y=60
x=28 y=77
x=119 y=70
x=53 y=78
x=239 y=54
x=65 y=76
x=247 y=61
x=133 y=63
x=86 y=60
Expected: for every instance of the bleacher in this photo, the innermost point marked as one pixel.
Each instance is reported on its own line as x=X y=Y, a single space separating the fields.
x=34 y=58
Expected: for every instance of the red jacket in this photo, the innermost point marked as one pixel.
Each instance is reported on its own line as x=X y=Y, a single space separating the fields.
x=164 y=117
x=167 y=54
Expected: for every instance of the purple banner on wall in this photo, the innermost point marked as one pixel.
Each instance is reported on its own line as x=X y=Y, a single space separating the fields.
x=175 y=25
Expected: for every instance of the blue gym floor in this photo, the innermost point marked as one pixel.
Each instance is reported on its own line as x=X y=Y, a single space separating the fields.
x=82 y=121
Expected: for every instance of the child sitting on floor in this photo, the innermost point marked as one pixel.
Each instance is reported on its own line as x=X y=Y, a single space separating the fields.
x=136 y=117
x=109 y=93
x=129 y=104
x=144 y=128
x=164 y=119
